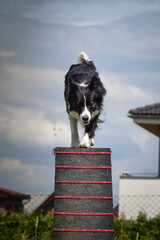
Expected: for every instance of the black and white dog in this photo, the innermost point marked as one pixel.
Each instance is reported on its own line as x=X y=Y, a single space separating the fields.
x=84 y=94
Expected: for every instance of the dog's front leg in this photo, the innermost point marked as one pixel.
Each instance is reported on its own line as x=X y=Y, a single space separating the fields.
x=87 y=140
x=74 y=131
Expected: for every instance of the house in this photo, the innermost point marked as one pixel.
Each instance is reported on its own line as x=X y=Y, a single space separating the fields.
x=11 y=200
x=148 y=117
x=141 y=193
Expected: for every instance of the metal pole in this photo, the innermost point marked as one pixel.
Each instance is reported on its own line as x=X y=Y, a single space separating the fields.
x=159 y=160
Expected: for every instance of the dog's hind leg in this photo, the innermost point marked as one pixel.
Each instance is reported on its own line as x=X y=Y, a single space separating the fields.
x=74 y=131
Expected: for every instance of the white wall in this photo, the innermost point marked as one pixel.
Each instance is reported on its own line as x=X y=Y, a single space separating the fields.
x=139 y=195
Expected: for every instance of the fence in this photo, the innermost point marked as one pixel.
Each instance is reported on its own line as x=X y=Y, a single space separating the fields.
x=126 y=205
x=35 y=201
x=130 y=206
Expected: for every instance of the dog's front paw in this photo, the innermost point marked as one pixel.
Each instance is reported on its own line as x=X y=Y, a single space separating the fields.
x=84 y=145
x=85 y=142
x=91 y=142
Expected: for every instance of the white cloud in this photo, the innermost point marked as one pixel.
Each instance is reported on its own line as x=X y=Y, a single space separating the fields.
x=31 y=176
x=31 y=126
x=6 y=54
x=74 y=12
x=122 y=30
x=35 y=88
x=121 y=91
x=126 y=40
x=141 y=138
x=26 y=84
x=12 y=165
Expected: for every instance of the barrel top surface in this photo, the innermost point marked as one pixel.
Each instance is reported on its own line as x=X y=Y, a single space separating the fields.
x=81 y=150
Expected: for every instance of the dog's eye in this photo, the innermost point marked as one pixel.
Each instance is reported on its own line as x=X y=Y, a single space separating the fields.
x=92 y=102
x=91 y=108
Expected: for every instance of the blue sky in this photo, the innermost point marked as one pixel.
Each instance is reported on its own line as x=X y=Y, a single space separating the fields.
x=39 y=41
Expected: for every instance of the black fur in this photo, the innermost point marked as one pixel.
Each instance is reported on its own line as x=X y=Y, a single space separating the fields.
x=92 y=94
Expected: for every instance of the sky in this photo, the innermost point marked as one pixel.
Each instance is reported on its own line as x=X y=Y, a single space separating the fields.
x=39 y=41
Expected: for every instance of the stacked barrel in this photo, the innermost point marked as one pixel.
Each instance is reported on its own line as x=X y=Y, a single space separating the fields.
x=83 y=205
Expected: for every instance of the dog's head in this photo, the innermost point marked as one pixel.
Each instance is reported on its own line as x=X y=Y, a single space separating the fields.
x=84 y=96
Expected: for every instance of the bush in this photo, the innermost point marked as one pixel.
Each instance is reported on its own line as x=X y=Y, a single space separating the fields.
x=24 y=227
x=140 y=229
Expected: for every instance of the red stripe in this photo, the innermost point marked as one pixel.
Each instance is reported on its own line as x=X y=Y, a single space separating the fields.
x=83 y=230
x=84 y=167
x=86 y=182
x=83 y=214
x=92 y=153
x=78 y=197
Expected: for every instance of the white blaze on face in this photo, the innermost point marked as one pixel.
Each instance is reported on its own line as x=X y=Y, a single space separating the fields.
x=85 y=112
x=83 y=84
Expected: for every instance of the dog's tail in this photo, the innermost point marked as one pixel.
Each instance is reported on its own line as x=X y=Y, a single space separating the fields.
x=83 y=57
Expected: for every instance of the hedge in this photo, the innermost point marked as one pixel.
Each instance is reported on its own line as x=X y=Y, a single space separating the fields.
x=24 y=227
x=140 y=229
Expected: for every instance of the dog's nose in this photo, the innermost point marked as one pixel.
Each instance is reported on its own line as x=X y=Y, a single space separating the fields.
x=85 y=118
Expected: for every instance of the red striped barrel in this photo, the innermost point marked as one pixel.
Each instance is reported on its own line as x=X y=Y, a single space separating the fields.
x=83 y=204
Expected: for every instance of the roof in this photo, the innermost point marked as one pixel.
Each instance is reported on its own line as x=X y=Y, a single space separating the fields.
x=6 y=193
x=147 y=111
x=147 y=117
x=139 y=176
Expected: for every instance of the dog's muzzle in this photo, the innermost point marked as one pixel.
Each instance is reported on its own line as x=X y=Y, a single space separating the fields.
x=85 y=119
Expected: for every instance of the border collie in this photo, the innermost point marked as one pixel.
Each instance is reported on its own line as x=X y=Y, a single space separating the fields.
x=84 y=94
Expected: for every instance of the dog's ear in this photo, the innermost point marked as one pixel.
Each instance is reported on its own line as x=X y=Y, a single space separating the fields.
x=72 y=86
x=94 y=84
x=97 y=86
